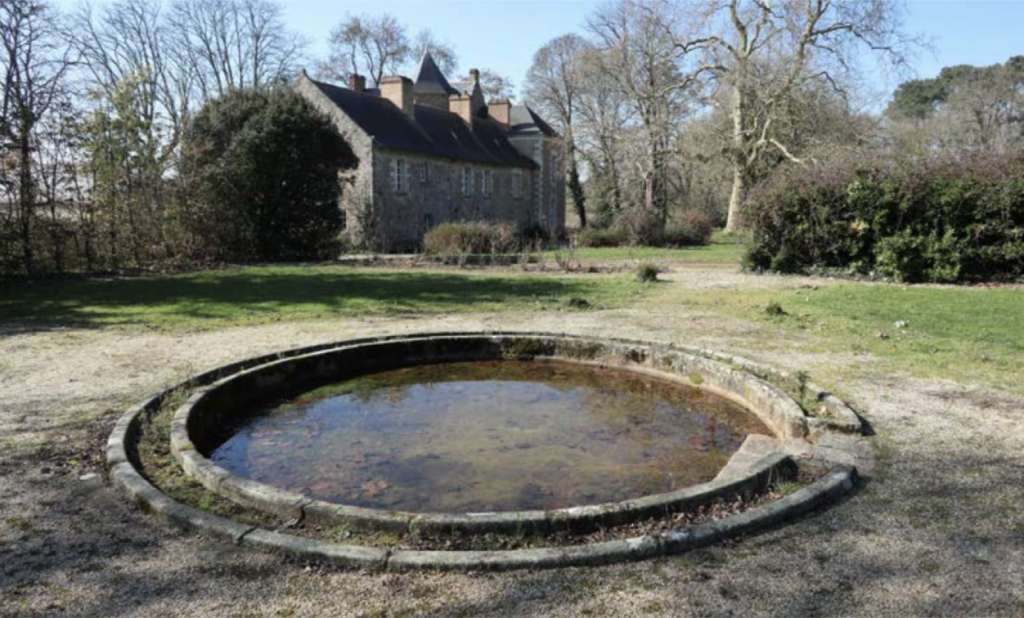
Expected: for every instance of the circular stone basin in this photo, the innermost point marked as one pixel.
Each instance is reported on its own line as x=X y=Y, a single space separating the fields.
x=506 y=432
x=499 y=435
x=617 y=399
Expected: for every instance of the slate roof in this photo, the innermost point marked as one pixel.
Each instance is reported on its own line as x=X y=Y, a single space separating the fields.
x=524 y=121
x=462 y=86
x=430 y=131
x=430 y=79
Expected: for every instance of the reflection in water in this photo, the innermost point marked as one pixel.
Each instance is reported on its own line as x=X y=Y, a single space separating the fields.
x=489 y=436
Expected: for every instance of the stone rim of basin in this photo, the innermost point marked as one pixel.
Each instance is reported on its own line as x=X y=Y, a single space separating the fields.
x=749 y=470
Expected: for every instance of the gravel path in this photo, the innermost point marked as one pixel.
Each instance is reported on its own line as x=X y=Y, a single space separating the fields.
x=937 y=529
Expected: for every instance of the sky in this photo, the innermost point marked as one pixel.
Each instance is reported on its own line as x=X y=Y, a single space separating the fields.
x=503 y=34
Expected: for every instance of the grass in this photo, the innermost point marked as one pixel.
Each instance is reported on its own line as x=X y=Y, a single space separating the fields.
x=715 y=253
x=966 y=334
x=220 y=298
x=647 y=272
x=724 y=248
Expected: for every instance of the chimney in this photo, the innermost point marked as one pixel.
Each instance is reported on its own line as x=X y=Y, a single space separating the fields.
x=474 y=76
x=500 y=111
x=462 y=104
x=356 y=82
x=398 y=90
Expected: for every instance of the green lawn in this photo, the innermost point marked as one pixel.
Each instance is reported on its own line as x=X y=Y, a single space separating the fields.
x=262 y=294
x=972 y=334
x=716 y=252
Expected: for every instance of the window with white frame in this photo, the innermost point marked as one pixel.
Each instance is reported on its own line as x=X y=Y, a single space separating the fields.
x=467 y=181
x=399 y=169
x=517 y=183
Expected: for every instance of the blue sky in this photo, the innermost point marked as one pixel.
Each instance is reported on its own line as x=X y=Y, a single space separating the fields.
x=503 y=34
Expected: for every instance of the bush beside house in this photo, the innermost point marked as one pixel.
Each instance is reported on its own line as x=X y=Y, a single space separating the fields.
x=262 y=170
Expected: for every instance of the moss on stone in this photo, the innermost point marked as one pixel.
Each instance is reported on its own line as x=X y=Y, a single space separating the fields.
x=526 y=349
x=157 y=464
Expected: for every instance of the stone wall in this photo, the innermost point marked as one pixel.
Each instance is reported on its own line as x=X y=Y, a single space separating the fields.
x=378 y=216
x=548 y=191
x=404 y=216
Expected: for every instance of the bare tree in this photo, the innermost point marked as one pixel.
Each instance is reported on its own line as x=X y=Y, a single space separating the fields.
x=126 y=39
x=651 y=53
x=555 y=82
x=493 y=85
x=442 y=52
x=34 y=62
x=602 y=119
x=234 y=44
x=817 y=39
x=372 y=46
x=60 y=191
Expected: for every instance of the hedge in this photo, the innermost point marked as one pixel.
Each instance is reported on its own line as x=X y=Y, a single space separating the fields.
x=924 y=220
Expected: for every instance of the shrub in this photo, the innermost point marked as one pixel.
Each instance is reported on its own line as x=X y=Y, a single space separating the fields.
x=922 y=220
x=647 y=273
x=775 y=310
x=689 y=229
x=263 y=169
x=639 y=227
x=533 y=234
x=565 y=258
x=455 y=242
x=578 y=303
x=598 y=237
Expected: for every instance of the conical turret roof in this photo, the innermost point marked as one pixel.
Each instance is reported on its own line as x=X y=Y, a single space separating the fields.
x=430 y=79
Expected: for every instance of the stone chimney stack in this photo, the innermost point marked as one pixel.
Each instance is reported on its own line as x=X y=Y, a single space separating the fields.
x=500 y=111
x=398 y=90
x=462 y=104
x=356 y=82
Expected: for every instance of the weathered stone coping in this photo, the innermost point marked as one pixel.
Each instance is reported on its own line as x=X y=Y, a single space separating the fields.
x=210 y=409
x=126 y=477
x=820 y=493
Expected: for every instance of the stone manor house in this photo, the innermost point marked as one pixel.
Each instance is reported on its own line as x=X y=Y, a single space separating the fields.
x=431 y=152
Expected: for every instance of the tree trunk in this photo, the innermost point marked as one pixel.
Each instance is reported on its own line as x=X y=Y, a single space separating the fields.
x=739 y=189
x=575 y=186
x=739 y=160
x=613 y=175
x=115 y=256
x=26 y=196
x=656 y=190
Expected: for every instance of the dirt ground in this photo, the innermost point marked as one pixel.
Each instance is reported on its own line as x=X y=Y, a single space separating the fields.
x=936 y=529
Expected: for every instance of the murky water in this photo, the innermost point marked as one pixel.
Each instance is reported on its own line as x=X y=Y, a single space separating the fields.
x=489 y=436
